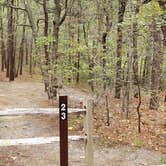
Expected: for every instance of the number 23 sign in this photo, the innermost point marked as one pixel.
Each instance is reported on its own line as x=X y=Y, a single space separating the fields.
x=63 y=111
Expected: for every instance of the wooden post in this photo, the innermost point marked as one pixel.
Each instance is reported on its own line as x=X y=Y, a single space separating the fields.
x=88 y=131
x=63 y=112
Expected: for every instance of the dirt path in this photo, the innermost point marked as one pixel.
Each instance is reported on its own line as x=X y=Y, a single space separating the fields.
x=48 y=155
x=22 y=94
x=31 y=94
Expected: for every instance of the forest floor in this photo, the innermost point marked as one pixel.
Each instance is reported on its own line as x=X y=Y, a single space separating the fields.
x=118 y=145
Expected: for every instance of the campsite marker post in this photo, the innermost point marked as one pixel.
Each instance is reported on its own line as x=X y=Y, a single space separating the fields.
x=63 y=118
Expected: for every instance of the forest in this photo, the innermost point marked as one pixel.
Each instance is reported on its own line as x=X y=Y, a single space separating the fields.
x=110 y=51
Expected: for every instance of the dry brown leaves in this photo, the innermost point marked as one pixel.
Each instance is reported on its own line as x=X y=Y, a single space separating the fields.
x=125 y=131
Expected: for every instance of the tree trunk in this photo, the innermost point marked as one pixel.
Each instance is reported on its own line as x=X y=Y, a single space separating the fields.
x=21 y=50
x=27 y=52
x=135 y=10
x=22 y=46
x=126 y=100
x=99 y=21
x=46 y=19
x=135 y=53
x=57 y=22
x=91 y=74
x=147 y=70
x=122 y=7
x=78 y=56
x=104 y=39
x=91 y=66
x=56 y=25
x=156 y=67
x=78 y=42
x=2 y=43
x=71 y=39
x=46 y=30
x=146 y=78
x=162 y=4
x=30 y=57
x=30 y=18
x=10 y=42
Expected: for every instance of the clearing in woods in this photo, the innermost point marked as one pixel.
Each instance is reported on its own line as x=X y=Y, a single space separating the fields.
x=29 y=93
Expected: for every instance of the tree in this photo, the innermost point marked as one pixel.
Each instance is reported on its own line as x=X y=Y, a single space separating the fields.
x=87 y=42
x=46 y=19
x=162 y=4
x=2 y=42
x=148 y=59
x=135 y=47
x=121 y=12
x=57 y=22
x=10 y=42
x=21 y=51
x=156 y=67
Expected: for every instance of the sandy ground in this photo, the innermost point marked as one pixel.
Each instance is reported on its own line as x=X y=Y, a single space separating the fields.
x=48 y=155
x=31 y=94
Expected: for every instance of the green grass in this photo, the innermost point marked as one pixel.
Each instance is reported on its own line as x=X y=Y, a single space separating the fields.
x=1 y=163
x=163 y=160
x=139 y=143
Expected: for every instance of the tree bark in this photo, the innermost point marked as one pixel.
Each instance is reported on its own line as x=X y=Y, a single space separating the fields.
x=135 y=53
x=78 y=56
x=78 y=42
x=10 y=43
x=162 y=4
x=27 y=51
x=30 y=57
x=91 y=66
x=118 y=84
x=56 y=25
x=57 y=22
x=2 y=43
x=31 y=19
x=71 y=39
x=22 y=46
x=104 y=39
x=46 y=30
x=156 y=67
x=146 y=78
x=108 y=25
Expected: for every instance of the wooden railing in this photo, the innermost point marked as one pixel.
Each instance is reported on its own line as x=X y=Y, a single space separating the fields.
x=87 y=112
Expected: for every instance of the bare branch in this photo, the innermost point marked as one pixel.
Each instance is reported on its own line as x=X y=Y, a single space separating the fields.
x=64 y=16
x=16 y=7
x=38 y=21
x=146 y=1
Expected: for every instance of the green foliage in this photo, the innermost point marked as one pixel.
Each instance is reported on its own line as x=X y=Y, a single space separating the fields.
x=163 y=160
x=139 y=143
x=42 y=40
x=90 y=18
x=1 y=163
x=149 y=12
